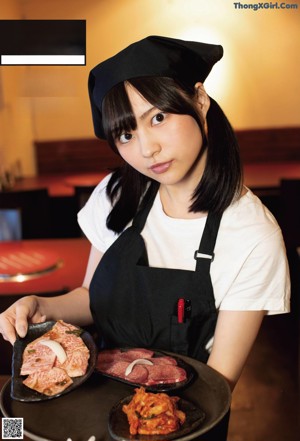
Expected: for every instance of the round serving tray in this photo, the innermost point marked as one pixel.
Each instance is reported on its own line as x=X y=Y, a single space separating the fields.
x=85 y=411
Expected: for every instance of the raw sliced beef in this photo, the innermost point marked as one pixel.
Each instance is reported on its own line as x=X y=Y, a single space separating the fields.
x=116 y=368
x=164 y=374
x=77 y=355
x=37 y=357
x=133 y=354
x=50 y=382
x=164 y=369
x=139 y=374
x=76 y=363
x=43 y=366
x=113 y=355
x=164 y=360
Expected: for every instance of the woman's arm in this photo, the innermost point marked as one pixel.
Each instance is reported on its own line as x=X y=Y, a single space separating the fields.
x=235 y=334
x=72 y=307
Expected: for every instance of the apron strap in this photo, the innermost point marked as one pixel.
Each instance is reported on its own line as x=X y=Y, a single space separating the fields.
x=205 y=254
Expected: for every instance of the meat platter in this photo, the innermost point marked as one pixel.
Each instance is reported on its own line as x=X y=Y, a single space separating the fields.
x=18 y=389
x=155 y=370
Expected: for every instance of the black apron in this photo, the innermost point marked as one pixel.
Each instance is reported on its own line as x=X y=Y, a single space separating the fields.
x=134 y=305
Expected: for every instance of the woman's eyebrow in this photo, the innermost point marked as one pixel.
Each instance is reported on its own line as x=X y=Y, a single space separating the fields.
x=146 y=113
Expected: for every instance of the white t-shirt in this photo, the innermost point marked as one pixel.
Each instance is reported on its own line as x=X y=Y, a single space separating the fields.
x=249 y=270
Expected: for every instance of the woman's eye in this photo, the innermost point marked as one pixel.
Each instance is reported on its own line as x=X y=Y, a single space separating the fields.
x=125 y=137
x=159 y=118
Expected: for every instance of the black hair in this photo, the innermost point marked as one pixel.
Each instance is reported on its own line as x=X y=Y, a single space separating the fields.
x=221 y=181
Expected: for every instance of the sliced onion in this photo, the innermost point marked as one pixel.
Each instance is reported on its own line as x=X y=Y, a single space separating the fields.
x=56 y=348
x=137 y=361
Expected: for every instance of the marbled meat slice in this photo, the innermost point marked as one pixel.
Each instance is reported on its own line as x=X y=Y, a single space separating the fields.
x=134 y=354
x=165 y=360
x=61 y=329
x=77 y=353
x=76 y=363
x=50 y=382
x=165 y=374
x=138 y=375
x=163 y=371
x=40 y=358
x=113 y=355
x=117 y=368
x=68 y=337
x=37 y=357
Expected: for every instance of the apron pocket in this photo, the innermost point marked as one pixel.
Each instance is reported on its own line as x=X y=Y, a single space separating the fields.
x=179 y=341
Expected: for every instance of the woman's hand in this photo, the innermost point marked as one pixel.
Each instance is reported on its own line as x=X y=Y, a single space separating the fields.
x=15 y=319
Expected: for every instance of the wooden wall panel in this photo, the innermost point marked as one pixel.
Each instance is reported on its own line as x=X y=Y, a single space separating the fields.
x=93 y=155
x=269 y=145
x=74 y=156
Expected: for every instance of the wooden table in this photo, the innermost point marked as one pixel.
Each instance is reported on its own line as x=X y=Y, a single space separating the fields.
x=61 y=184
x=257 y=175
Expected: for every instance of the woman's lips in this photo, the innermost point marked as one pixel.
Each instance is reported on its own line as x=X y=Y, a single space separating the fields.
x=162 y=167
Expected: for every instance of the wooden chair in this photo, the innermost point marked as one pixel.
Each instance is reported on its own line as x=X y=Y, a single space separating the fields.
x=33 y=206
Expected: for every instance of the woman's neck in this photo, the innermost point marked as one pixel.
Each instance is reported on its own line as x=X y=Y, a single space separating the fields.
x=177 y=198
x=176 y=203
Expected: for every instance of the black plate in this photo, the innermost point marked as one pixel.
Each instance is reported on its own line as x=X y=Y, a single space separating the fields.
x=166 y=387
x=119 y=428
x=22 y=393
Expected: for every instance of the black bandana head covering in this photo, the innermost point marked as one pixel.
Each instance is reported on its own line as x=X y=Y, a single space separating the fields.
x=186 y=61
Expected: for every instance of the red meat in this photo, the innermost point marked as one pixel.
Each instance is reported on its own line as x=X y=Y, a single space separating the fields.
x=164 y=369
x=164 y=374
x=43 y=367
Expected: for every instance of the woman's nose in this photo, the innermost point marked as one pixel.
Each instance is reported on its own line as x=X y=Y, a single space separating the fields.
x=149 y=145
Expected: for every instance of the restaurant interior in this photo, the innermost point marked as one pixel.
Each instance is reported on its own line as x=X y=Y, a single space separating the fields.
x=50 y=161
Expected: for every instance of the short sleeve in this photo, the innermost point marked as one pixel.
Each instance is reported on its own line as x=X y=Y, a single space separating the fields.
x=92 y=218
x=262 y=282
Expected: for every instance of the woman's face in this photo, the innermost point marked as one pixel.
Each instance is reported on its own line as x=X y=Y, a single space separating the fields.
x=164 y=146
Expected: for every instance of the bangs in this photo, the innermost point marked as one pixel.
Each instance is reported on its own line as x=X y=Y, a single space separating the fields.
x=162 y=92
x=118 y=116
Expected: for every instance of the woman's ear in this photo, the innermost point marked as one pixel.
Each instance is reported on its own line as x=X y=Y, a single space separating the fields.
x=202 y=99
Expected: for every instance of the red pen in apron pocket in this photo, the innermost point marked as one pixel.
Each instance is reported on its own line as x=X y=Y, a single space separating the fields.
x=180 y=310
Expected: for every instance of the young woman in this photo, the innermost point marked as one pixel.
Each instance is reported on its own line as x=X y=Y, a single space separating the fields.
x=175 y=222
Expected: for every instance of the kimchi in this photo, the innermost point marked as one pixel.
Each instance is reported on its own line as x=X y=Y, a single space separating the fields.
x=153 y=414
